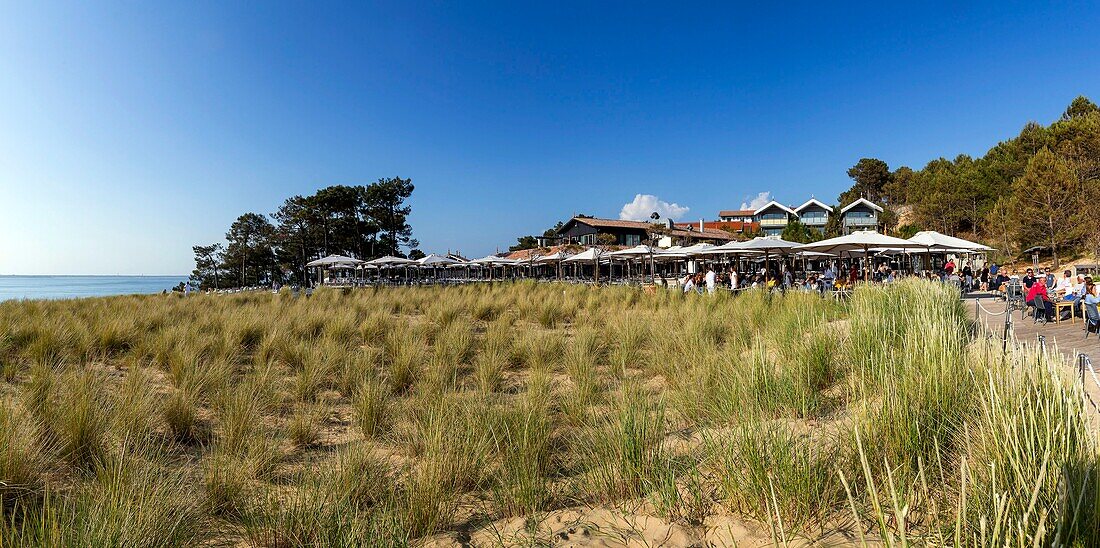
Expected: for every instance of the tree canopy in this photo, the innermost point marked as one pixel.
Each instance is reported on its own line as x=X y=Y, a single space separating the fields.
x=359 y=221
x=1030 y=190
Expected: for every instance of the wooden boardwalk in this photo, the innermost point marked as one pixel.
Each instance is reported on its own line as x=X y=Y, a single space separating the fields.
x=1067 y=337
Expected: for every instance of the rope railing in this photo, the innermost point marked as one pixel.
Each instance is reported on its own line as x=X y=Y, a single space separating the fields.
x=1084 y=363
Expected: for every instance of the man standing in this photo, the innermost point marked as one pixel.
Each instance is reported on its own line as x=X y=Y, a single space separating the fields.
x=710 y=279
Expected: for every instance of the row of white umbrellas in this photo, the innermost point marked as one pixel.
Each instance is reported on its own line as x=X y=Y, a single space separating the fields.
x=861 y=243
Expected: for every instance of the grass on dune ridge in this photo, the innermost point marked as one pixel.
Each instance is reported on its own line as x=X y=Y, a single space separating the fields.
x=378 y=417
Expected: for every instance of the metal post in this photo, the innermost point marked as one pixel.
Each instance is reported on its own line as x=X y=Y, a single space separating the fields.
x=1081 y=365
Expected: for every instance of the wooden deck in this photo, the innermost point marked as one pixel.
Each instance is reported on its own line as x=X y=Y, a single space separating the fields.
x=1066 y=337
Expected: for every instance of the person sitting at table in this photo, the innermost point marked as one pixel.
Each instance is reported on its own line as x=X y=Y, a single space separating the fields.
x=1037 y=296
x=1029 y=278
x=1064 y=285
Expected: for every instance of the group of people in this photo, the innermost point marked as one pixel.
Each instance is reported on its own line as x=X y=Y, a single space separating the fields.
x=830 y=278
x=1044 y=290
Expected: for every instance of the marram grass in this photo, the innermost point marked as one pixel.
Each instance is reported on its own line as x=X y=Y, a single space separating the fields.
x=380 y=417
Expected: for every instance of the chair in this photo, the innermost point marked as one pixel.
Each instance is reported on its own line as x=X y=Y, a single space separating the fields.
x=1014 y=296
x=1092 y=319
x=1044 y=310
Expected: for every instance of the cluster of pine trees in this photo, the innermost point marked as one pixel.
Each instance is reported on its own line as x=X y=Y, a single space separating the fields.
x=359 y=221
x=1038 y=189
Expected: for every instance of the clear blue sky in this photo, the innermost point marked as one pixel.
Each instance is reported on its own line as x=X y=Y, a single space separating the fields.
x=130 y=131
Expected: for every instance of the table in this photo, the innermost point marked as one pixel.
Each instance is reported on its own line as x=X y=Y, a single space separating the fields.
x=1059 y=305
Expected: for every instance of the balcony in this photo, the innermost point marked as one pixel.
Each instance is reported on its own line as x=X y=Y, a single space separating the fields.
x=765 y=223
x=861 y=221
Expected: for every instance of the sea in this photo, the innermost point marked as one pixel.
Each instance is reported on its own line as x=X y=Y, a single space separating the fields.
x=69 y=287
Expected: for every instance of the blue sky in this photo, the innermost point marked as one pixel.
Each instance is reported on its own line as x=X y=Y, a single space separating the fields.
x=130 y=131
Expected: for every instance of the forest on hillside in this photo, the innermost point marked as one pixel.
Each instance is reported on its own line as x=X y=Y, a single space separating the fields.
x=1038 y=189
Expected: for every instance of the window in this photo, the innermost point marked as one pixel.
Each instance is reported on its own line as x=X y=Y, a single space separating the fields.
x=774 y=217
x=631 y=239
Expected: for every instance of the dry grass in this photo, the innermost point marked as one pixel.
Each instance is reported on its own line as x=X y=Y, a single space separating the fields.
x=380 y=417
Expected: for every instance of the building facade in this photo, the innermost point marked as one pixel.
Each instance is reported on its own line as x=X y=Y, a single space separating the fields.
x=859 y=215
x=814 y=214
x=773 y=217
x=587 y=231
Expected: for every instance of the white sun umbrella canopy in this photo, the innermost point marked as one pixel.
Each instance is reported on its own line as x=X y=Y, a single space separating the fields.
x=390 y=260
x=640 y=250
x=727 y=248
x=697 y=249
x=591 y=255
x=672 y=253
x=863 y=241
x=588 y=255
x=436 y=260
x=487 y=260
x=937 y=241
x=335 y=261
x=552 y=258
x=769 y=246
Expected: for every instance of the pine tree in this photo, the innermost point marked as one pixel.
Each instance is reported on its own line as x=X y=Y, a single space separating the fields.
x=1047 y=203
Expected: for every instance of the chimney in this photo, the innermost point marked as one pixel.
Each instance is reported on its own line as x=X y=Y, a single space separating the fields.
x=700 y=225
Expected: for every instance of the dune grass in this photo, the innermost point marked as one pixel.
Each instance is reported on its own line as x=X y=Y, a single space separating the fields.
x=380 y=417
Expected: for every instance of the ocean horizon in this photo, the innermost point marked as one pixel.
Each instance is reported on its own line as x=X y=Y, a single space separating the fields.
x=72 y=286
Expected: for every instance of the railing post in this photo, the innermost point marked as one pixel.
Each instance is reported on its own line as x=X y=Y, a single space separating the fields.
x=1081 y=357
x=1042 y=345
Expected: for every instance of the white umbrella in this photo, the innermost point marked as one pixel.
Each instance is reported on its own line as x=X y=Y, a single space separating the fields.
x=552 y=258
x=863 y=240
x=590 y=254
x=674 y=252
x=335 y=260
x=697 y=249
x=768 y=246
x=593 y=254
x=640 y=250
x=390 y=260
x=436 y=260
x=937 y=241
x=484 y=260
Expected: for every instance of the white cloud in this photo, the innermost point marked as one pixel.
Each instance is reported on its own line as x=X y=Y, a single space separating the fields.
x=645 y=204
x=758 y=202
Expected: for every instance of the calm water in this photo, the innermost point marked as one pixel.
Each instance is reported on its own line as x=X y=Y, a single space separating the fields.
x=65 y=287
